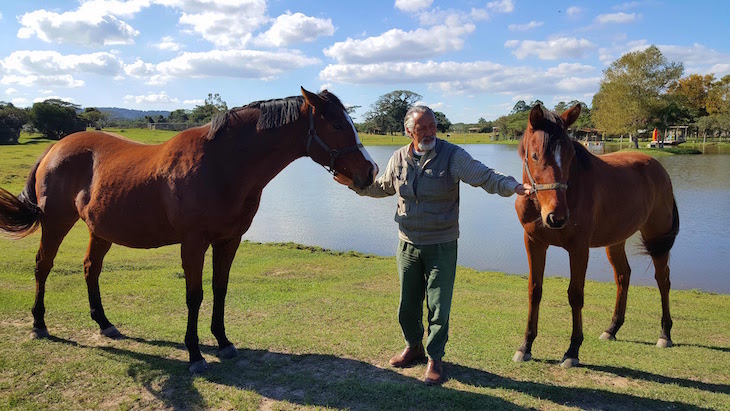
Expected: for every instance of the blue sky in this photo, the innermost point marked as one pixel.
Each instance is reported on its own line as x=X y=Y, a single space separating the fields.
x=468 y=59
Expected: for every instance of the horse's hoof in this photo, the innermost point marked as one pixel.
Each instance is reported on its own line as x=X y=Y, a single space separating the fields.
x=569 y=362
x=607 y=337
x=664 y=343
x=111 y=332
x=228 y=352
x=39 y=333
x=198 y=367
x=521 y=357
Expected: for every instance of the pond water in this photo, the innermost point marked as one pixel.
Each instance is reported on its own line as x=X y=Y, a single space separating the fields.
x=304 y=205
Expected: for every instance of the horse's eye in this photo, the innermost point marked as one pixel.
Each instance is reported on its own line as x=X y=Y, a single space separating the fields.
x=337 y=126
x=534 y=156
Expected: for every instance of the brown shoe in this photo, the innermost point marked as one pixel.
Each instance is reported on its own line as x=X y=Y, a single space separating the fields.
x=408 y=356
x=435 y=373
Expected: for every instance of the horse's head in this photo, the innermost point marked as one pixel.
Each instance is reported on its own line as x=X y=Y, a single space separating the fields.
x=547 y=153
x=333 y=141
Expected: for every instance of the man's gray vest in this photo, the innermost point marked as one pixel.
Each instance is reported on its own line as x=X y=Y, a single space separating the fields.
x=428 y=203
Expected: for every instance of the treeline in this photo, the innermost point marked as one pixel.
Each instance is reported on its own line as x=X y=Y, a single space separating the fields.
x=640 y=91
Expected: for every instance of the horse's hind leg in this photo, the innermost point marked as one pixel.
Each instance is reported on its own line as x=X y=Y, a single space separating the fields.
x=223 y=254
x=51 y=238
x=92 y=269
x=661 y=265
x=622 y=273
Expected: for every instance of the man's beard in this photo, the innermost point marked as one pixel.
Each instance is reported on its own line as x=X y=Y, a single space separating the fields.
x=424 y=147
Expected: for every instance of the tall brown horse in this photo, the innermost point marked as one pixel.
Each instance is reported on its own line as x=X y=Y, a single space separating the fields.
x=201 y=188
x=581 y=201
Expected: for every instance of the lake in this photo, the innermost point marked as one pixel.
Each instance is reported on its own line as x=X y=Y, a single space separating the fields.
x=304 y=205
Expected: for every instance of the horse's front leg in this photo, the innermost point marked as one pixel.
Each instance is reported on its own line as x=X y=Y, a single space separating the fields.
x=193 y=254
x=223 y=254
x=536 y=258
x=622 y=273
x=578 y=266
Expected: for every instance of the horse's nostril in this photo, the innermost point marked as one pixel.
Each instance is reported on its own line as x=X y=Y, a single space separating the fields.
x=554 y=222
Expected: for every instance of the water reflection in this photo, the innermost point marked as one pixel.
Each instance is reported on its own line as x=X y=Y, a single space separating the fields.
x=304 y=205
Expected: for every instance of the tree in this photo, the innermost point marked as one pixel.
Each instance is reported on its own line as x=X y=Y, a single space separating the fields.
x=442 y=123
x=690 y=94
x=12 y=120
x=390 y=109
x=56 y=118
x=213 y=105
x=718 y=97
x=629 y=94
x=519 y=107
x=179 y=116
x=93 y=117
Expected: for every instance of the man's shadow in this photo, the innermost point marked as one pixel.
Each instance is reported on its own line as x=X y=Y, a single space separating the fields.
x=330 y=381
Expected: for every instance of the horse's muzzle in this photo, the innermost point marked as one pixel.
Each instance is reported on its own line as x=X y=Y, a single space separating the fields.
x=362 y=183
x=555 y=222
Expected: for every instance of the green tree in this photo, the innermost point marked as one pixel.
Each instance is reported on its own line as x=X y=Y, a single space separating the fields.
x=12 y=119
x=442 y=123
x=93 y=117
x=213 y=105
x=629 y=96
x=390 y=109
x=56 y=118
x=179 y=116
x=519 y=107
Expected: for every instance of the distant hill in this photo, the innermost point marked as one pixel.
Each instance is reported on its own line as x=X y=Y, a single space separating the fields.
x=127 y=114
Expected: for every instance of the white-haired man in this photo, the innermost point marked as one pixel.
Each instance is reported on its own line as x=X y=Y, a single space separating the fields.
x=425 y=175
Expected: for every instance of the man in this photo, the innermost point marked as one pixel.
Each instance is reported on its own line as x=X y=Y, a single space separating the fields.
x=426 y=174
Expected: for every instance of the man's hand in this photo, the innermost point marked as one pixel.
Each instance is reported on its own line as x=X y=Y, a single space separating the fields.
x=343 y=179
x=524 y=189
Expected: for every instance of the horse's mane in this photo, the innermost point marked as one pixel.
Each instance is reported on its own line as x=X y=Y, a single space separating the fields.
x=274 y=113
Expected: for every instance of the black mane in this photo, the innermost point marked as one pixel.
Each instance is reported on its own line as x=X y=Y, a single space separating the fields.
x=274 y=113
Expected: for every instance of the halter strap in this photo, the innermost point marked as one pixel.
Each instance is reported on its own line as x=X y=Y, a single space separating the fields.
x=333 y=152
x=541 y=187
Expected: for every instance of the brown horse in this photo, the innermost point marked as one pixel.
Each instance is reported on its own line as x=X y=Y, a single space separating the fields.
x=201 y=188
x=580 y=200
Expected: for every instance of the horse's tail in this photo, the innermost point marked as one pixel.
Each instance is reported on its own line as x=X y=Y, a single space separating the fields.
x=20 y=216
x=661 y=245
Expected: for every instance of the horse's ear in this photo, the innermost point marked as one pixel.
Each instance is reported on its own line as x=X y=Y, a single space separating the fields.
x=312 y=99
x=537 y=116
x=570 y=115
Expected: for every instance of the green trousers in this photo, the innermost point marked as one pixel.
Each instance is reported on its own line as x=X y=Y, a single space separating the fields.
x=426 y=271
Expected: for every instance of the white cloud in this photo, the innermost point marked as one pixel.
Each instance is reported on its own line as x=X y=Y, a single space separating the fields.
x=10 y=91
x=525 y=27
x=471 y=77
x=90 y=26
x=698 y=59
x=294 y=28
x=52 y=69
x=167 y=43
x=617 y=18
x=553 y=49
x=409 y=6
x=20 y=102
x=501 y=6
x=399 y=45
x=224 y=23
x=235 y=64
x=159 y=98
x=196 y=102
x=574 y=11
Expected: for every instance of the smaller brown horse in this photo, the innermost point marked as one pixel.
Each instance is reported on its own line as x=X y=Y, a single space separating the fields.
x=199 y=189
x=581 y=200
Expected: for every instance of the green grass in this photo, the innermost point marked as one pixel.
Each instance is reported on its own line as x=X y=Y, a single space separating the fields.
x=315 y=329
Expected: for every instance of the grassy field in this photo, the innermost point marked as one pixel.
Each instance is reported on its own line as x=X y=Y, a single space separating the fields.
x=315 y=329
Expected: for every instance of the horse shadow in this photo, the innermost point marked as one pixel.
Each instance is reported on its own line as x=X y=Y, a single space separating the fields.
x=323 y=380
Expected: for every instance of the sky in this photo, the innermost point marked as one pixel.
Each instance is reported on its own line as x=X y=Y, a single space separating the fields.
x=468 y=59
